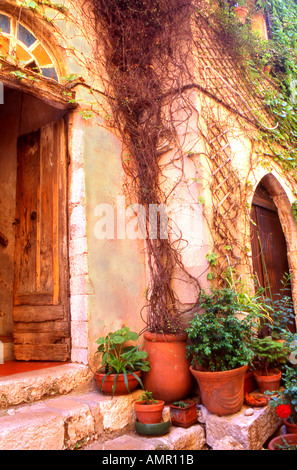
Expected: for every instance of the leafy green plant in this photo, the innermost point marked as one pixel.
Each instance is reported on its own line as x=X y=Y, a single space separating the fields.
x=279 y=318
x=219 y=340
x=285 y=445
x=147 y=398
x=269 y=353
x=181 y=404
x=119 y=357
x=287 y=395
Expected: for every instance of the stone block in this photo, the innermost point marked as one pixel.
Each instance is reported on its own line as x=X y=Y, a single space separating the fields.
x=118 y=412
x=192 y=438
x=41 y=430
x=79 y=265
x=78 y=222
x=248 y=431
x=79 y=334
x=77 y=186
x=78 y=307
x=78 y=246
x=78 y=420
x=80 y=355
x=29 y=386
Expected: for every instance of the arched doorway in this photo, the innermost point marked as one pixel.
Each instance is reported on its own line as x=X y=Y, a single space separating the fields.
x=269 y=250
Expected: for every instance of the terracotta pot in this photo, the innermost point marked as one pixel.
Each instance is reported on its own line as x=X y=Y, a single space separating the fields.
x=169 y=378
x=222 y=393
x=279 y=440
x=120 y=388
x=269 y=382
x=241 y=13
x=149 y=413
x=290 y=427
x=183 y=417
x=249 y=382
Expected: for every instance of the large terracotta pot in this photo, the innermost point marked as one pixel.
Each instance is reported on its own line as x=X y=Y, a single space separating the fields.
x=269 y=382
x=222 y=393
x=169 y=377
x=120 y=388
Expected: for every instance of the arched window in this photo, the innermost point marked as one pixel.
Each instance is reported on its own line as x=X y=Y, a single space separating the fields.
x=20 y=44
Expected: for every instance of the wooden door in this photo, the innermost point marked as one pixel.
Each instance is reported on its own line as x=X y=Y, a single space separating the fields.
x=40 y=314
x=269 y=247
x=270 y=262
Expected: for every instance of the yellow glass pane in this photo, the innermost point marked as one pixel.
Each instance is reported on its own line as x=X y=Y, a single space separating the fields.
x=41 y=56
x=22 y=54
x=4 y=45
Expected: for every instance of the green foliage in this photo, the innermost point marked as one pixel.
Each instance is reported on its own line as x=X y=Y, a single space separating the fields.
x=147 y=398
x=219 y=340
x=294 y=210
x=269 y=352
x=181 y=404
x=280 y=53
x=120 y=358
x=287 y=395
x=278 y=311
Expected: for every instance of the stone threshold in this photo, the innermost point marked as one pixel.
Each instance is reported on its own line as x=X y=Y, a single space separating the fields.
x=30 y=386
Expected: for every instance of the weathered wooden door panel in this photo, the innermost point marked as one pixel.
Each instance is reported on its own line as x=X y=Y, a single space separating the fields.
x=269 y=250
x=41 y=274
x=269 y=247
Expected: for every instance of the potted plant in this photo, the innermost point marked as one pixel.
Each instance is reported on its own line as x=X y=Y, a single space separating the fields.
x=183 y=414
x=148 y=410
x=220 y=350
x=169 y=377
x=284 y=442
x=285 y=401
x=121 y=363
x=270 y=354
x=241 y=12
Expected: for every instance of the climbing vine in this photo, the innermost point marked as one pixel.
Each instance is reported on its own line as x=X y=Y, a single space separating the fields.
x=151 y=57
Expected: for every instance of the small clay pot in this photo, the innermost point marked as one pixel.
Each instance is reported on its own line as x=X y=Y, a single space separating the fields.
x=290 y=427
x=149 y=413
x=183 y=417
x=269 y=382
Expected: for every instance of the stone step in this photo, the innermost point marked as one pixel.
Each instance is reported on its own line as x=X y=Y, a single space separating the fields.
x=62 y=408
x=87 y=420
x=35 y=385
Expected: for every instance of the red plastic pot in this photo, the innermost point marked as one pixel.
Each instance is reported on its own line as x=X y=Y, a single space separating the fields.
x=269 y=382
x=169 y=378
x=222 y=393
x=149 y=413
x=120 y=388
